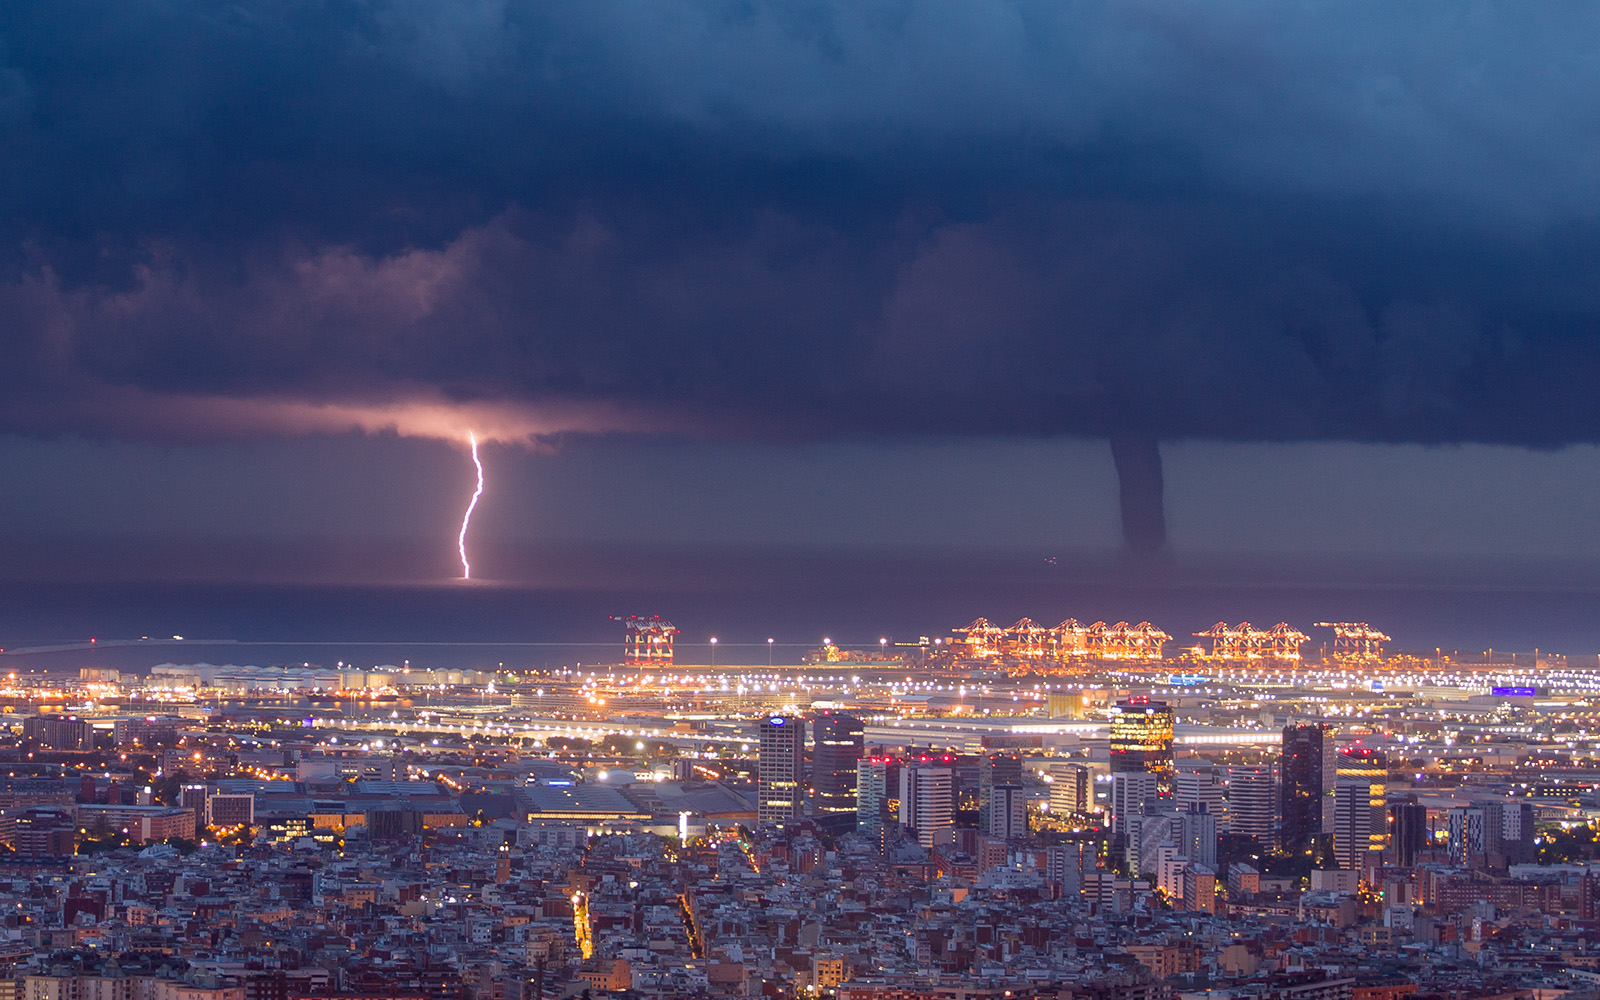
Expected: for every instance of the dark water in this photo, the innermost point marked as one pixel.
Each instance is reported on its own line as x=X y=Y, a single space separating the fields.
x=561 y=616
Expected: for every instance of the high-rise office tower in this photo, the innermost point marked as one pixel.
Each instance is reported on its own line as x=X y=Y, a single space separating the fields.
x=1368 y=769
x=1517 y=835
x=1408 y=831
x=1129 y=793
x=1204 y=786
x=194 y=797
x=1141 y=740
x=995 y=769
x=1251 y=798
x=1475 y=832
x=872 y=791
x=836 y=746
x=1357 y=763
x=1351 y=820
x=1465 y=826
x=1330 y=778
x=779 y=791
x=1494 y=821
x=1189 y=834
x=1071 y=790
x=1008 y=812
x=926 y=802
x=1199 y=835
x=1300 y=794
x=1360 y=825
x=1149 y=837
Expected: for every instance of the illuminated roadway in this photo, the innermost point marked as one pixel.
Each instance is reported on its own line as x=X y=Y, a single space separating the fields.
x=897 y=732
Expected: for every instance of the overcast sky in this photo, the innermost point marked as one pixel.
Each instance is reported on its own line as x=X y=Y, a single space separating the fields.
x=843 y=273
x=1048 y=497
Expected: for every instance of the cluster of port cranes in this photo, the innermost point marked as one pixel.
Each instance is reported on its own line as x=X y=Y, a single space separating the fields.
x=1028 y=640
x=1072 y=640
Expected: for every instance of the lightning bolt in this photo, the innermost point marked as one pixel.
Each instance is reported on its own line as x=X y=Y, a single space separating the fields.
x=466 y=519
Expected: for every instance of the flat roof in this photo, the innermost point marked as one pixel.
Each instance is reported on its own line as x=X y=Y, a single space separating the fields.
x=575 y=799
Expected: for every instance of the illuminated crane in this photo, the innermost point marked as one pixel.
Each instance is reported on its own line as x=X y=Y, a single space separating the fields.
x=1094 y=638
x=1246 y=642
x=982 y=639
x=1143 y=641
x=1125 y=642
x=1283 y=641
x=1356 y=640
x=1227 y=642
x=647 y=641
x=1026 y=640
x=1070 y=639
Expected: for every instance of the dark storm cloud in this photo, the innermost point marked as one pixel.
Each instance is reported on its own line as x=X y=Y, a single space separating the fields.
x=1243 y=220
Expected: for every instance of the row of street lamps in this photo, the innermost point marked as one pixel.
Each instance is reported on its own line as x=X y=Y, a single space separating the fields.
x=881 y=642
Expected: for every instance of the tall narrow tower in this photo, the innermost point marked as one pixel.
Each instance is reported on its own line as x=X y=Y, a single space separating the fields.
x=925 y=802
x=872 y=792
x=1008 y=812
x=996 y=769
x=1305 y=749
x=1141 y=740
x=1250 y=804
x=1361 y=828
x=779 y=769
x=1408 y=831
x=837 y=746
x=1203 y=786
x=1071 y=790
x=502 y=859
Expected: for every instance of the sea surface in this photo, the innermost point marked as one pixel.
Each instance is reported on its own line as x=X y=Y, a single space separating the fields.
x=559 y=613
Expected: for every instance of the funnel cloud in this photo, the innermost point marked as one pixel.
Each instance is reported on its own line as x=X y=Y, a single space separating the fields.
x=1144 y=520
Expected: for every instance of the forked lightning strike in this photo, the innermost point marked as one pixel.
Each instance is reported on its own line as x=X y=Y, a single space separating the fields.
x=466 y=519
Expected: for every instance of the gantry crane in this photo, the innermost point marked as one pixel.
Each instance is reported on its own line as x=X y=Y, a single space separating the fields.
x=1356 y=640
x=1246 y=642
x=1028 y=640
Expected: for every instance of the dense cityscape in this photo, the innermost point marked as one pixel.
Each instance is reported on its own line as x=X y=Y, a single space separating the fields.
x=1078 y=811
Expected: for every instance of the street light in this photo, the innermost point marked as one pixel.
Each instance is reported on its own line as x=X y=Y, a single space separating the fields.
x=713 y=652
x=769 y=651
